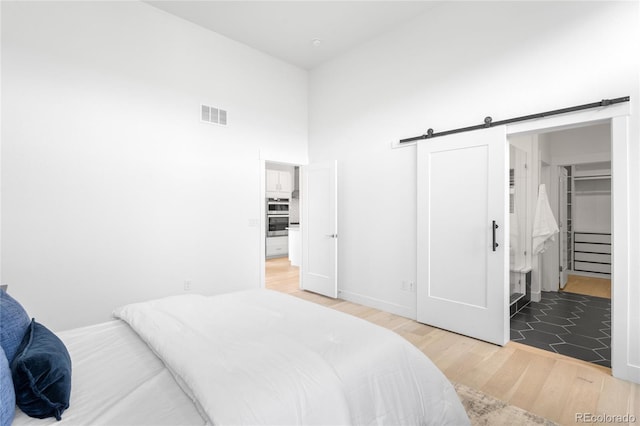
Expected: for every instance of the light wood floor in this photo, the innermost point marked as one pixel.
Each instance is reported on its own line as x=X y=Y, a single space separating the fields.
x=547 y=384
x=599 y=287
x=281 y=276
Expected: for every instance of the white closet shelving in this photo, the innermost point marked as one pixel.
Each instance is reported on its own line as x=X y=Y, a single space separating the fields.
x=591 y=211
x=593 y=178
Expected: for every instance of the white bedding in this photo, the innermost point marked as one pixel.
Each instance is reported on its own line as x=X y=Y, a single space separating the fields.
x=117 y=380
x=260 y=357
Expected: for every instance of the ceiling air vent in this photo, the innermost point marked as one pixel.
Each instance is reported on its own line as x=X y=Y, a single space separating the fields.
x=213 y=115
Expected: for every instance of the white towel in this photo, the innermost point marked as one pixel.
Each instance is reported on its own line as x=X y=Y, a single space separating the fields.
x=544 y=223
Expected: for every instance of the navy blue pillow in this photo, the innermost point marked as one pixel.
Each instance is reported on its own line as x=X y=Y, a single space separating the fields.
x=14 y=323
x=41 y=373
x=7 y=394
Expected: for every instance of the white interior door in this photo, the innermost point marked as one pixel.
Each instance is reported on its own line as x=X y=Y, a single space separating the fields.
x=564 y=222
x=463 y=282
x=319 y=226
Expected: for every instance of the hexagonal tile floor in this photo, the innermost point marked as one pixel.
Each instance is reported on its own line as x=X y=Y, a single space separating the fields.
x=570 y=324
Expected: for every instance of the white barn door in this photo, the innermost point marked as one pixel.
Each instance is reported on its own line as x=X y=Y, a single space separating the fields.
x=463 y=281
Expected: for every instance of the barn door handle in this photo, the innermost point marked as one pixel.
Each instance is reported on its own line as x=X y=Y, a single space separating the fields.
x=494 y=226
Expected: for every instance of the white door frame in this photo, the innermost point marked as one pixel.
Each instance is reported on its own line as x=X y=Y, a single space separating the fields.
x=618 y=116
x=263 y=215
x=562 y=182
x=263 y=222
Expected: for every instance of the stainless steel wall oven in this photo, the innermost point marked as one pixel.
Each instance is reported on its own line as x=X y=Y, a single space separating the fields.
x=277 y=206
x=277 y=217
x=277 y=225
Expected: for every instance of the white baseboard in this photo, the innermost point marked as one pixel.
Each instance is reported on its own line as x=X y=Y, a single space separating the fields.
x=536 y=296
x=628 y=372
x=372 y=302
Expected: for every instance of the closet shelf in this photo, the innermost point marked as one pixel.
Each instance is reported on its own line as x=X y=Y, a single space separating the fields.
x=593 y=177
x=594 y=192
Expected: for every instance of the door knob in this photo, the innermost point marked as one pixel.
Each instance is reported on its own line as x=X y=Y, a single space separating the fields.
x=331 y=235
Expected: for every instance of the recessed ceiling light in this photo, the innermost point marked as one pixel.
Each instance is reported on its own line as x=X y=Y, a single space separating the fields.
x=316 y=42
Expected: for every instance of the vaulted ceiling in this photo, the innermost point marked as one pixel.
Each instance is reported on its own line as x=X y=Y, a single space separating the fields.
x=303 y=33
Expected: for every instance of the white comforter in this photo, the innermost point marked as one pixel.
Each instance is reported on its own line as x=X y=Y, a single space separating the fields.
x=260 y=357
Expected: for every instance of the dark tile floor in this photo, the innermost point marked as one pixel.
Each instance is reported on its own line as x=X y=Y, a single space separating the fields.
x=566 y=323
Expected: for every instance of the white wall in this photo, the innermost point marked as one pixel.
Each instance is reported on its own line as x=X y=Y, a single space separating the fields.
x=448 y=69
x=580 y=145
x=113 y=191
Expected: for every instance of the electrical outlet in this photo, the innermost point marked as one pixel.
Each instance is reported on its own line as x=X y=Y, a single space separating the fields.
x=187 y=285
x=408 y=285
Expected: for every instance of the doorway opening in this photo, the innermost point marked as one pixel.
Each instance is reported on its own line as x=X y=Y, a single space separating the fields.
x=282 y=240
x=565 y=282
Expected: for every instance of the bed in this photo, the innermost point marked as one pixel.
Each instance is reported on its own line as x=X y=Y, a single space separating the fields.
x=250 y=357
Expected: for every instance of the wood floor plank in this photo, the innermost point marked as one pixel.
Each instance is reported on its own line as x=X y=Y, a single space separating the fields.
x=614 y=397
x=531 y=382
x=481 y=373
x=552 y=397
x=505 y=382
x=586 y=388
x=386 y=319
x=590 y=286
x=460 y=369
x=353 y=309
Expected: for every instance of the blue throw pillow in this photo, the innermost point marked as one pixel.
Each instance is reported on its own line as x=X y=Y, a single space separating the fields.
x=14 y=322
x=41 y=373
x=7 y=394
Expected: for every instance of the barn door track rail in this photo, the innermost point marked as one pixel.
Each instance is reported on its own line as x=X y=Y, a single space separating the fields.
x=488 y=121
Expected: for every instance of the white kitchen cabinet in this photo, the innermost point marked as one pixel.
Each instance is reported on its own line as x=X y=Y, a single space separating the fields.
x=295 y=246
x=277 y=246
x=279 y=184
